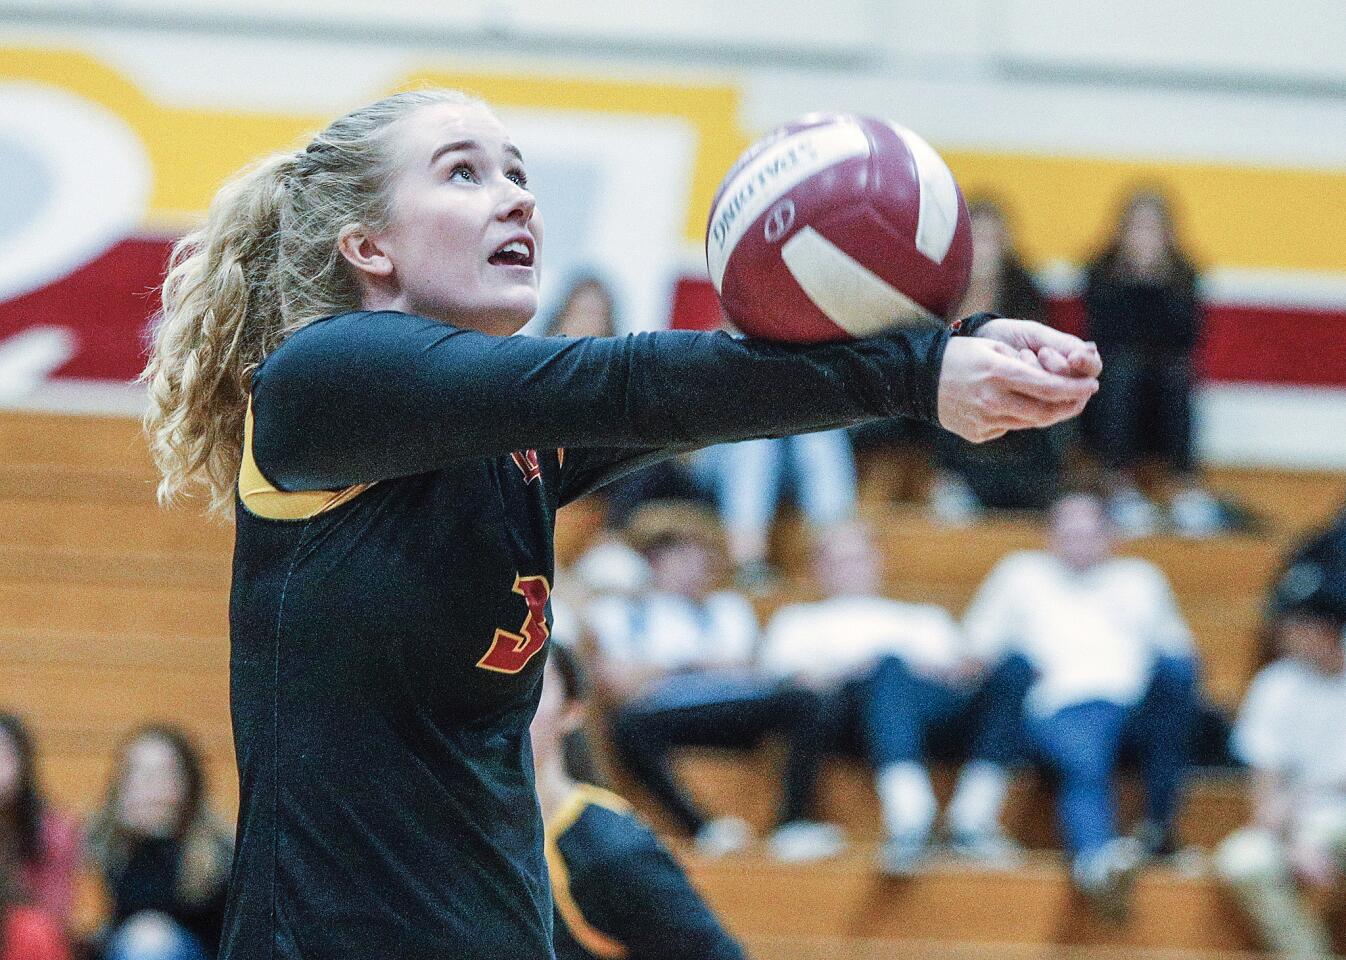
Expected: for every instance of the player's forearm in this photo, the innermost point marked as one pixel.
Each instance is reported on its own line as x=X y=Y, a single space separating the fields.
x=332 y=410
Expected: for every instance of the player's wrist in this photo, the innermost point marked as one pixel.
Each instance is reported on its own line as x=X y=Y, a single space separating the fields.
x=968 y=326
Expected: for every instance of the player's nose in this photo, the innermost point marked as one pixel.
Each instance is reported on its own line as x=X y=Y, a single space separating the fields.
x=517 y=205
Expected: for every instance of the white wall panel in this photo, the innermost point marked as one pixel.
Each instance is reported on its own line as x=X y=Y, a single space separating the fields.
x=842 y=27
x=1298 y=41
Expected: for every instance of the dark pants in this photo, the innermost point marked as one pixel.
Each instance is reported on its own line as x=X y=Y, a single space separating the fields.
x=1143 y=406
x=645 y=734
x=1020 y=471
x=892 y=714
x=1081 y=745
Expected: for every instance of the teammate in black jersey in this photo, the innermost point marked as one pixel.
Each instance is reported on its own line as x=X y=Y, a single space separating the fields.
x=333 y=365
x=619 y=895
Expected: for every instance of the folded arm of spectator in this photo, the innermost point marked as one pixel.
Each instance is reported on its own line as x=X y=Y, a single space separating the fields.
x=991 y=619
x=1273 y=802
x=1168 y=630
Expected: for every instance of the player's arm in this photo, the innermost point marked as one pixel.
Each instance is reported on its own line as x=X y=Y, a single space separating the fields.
x=585 y=469
x=370 y=396
x=644 y=900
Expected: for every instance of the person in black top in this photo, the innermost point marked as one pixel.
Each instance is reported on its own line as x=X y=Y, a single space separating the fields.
x=162 y=856
x=1022 y=470
x=618 y=893
x=1142 y=306
x=334 y=364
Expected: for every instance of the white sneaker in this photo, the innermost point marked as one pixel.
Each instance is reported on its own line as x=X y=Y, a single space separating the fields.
x=803 y=841
x=1195 y=513
x=1108 y=876
x=1133 y=513
x=990 y=848
x=723 y=835
x=952 y=502
x=901 y=857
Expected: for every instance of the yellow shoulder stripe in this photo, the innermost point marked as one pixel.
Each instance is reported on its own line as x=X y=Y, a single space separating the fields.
x=586 y=934
x=263 y=499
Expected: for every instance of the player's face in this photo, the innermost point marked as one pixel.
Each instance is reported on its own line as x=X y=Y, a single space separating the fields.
x=465 y=239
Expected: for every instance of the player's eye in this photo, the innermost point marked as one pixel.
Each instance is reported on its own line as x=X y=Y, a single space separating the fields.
x=518 y=176
x=463 y=172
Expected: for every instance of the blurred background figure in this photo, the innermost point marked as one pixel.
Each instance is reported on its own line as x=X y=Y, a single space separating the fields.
x=750 y=477
x=26 y=932
x=1142 y=309
x=617 y=891
x=161 y=853
x=676 y=664
x=1112 y=664
x=588 y=309
x=40 y=844
x=1021 y=470
x=1292 y=732
x=890 y=676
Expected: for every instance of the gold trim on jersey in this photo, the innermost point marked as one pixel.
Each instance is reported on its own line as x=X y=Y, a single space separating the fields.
x=586 y=934
x=264 y=499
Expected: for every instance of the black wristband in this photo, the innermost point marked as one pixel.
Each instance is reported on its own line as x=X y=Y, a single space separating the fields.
x=968 y=326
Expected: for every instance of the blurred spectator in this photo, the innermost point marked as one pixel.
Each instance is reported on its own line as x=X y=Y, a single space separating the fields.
x=42 y=843
x=889 y=675
x=676 y=663
x=1021 y=470
x=162 y=854
x=26 y=932
x=1141 y=308
x=749 y=478
x=1292 y=733
x=588 y=309
x=1112 y=664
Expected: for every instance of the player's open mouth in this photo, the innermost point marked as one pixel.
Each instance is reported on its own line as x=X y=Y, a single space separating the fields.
x=516 y=253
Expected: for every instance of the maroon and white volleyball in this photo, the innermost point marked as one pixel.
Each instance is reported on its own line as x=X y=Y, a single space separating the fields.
x=837 y=226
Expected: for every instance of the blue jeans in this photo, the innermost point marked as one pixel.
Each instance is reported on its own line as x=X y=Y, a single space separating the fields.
x=1081 y=744
x=892 y=713
x=748 y=478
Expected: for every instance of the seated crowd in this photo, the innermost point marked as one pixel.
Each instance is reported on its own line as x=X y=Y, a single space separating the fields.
x=157 y=854
x=1071 y=660
x=1138 y=299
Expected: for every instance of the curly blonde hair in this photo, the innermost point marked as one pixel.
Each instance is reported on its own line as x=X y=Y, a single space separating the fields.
x=264 y=264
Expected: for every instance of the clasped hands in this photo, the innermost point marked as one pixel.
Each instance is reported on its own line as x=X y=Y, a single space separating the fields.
x=1014 y=375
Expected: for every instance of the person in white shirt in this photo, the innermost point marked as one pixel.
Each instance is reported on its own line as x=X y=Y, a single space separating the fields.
x=1292 y=732
x=1113 y=666
x=676 y=661
x=891 y=675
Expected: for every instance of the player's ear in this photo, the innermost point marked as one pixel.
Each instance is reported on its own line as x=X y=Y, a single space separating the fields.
x=363 y=251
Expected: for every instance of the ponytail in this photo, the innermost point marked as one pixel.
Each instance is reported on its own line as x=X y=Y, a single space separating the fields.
x=220 y=318
x=264 y=264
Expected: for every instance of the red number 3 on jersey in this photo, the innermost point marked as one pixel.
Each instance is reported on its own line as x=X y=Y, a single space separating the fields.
x=510 y=652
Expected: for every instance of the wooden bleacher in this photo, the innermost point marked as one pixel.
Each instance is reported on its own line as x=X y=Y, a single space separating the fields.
x=113 y=612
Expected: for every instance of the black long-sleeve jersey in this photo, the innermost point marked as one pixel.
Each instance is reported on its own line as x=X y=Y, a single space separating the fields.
x=392 y=569
x=619 y=895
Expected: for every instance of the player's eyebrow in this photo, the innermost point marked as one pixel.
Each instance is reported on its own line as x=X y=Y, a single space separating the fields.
x=458 y=145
